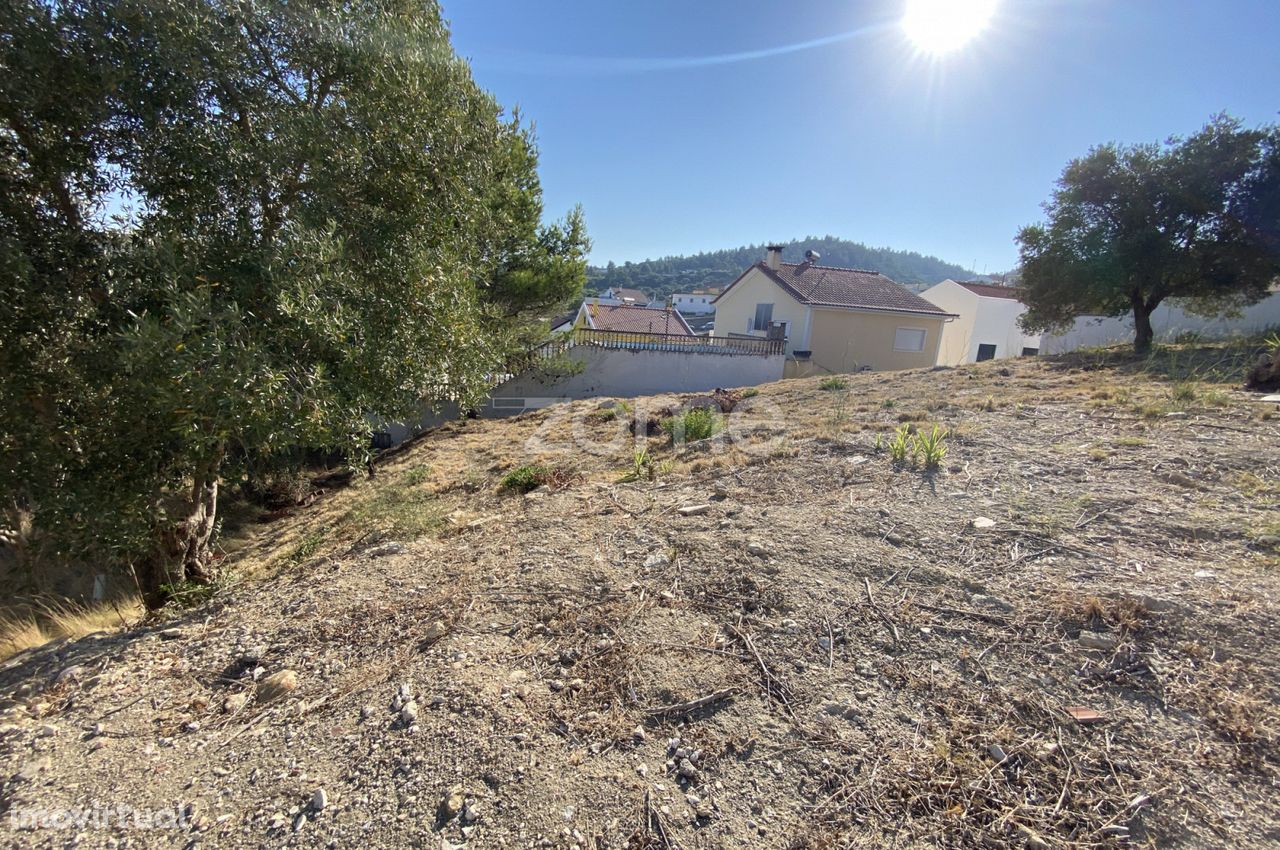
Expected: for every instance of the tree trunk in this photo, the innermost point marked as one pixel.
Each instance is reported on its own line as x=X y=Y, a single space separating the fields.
x=1143 y=333
x=182 y=553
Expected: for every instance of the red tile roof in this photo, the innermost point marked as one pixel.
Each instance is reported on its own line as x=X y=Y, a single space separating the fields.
x=990 y=290
x=825 y=286
x=627 y=317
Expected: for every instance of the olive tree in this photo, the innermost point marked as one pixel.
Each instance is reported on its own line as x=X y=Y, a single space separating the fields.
x=237 y=228
x=1196 y=219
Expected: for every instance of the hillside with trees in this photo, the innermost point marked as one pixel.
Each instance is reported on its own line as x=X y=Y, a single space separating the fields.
x=664 y=276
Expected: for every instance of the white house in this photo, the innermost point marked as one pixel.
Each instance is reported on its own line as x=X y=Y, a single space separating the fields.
x=697 y=303
x=987 y=327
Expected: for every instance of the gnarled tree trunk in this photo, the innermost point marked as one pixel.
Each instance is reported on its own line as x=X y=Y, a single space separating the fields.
x=182 y=552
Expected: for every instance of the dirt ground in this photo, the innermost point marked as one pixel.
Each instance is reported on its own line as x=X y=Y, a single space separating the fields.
x=1062 y=637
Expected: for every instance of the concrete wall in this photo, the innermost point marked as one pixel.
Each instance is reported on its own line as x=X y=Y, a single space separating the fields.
x=848 y=340
x=626 y=373
x=991 y=321
x=1168 y=321
x=737 y=307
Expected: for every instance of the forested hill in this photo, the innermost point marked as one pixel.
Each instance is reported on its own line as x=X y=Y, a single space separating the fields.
x=718 y=268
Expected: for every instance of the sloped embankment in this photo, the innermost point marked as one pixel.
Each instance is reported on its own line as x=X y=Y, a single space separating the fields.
x=1059 y=638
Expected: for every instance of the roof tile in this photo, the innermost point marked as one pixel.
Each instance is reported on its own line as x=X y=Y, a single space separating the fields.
x=826 y=286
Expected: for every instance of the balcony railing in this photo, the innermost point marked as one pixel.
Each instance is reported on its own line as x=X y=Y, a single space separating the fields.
x=639 y=340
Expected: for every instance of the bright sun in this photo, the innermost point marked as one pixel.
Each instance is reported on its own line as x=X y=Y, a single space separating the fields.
x=941 y=26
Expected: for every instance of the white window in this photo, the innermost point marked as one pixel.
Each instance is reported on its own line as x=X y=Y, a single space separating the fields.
x=909 y=339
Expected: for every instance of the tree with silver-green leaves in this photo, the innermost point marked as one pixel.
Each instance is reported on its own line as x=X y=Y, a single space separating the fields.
x=1194 y=219
x=233 y=229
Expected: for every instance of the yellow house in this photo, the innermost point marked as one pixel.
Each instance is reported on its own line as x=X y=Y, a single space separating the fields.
x=833 y=320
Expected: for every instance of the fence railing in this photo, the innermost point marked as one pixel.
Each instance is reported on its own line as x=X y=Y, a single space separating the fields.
x=640 y=341
x=675 y=342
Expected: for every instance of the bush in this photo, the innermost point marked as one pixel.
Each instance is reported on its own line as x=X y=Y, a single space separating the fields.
x=749 y=392
x=833 y=383
x=693 y=425
x=531 y=476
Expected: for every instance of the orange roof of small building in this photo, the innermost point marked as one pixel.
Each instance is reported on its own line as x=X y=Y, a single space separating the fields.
x=828 y=286
x=630 y=318
x=991 y=290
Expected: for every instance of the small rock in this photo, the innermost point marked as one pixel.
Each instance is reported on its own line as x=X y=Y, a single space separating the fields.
x=997 y=753
x=435 y=631
x=48 y=730
x=278 y=821
x=657 y=559
x=386 y=549
x=409 y=712
x=757 y=548
x=983 y=522
x=693 y=510
x=1205 y=574
x=171 y=634
x=367 y=712
x=470 y=812
x=453 y=802
x=686 y=770
x=277 y=685
x=1097 y=640
x=642 y=769
x=234 y=703
x=638 y=734
x=319 y=800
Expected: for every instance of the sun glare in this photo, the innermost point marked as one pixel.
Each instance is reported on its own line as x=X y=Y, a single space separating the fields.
x=941 y=26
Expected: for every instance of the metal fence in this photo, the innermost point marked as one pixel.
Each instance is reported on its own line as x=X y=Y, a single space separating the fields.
x=638 y=340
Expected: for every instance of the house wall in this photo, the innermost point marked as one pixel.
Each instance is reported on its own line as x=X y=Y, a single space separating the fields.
x=848 y=340
x=992 y=321
x=626 y=373
x=738 y=305
x=1167 y=321
x=956 y=334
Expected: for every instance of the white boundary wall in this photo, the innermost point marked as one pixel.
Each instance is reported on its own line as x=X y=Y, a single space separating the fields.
x=1168 y=321
x=627 y=373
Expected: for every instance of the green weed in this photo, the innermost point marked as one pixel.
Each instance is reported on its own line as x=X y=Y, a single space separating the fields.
x=699 y=423
x=833 y=383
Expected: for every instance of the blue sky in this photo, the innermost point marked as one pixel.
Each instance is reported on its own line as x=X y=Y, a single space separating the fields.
x=682 y=126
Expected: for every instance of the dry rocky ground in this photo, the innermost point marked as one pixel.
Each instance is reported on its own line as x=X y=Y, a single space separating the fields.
x=1064 y=637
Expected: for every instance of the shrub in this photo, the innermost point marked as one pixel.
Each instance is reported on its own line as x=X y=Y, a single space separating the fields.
x=749 y=392
x=522 y=479
x=693 y=425
x=531 y=476
x=900 y=445
x=644 y=467
x=931 y=447
x=833 y=383
x=889 y=404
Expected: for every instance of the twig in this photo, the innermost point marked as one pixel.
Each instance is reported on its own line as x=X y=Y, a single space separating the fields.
x=692 y=705
x=883 y=616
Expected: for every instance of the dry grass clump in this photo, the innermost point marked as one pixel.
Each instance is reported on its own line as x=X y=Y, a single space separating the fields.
x=994 y=771
x=1125 y=615
x=1230 y=698
x=19 y=632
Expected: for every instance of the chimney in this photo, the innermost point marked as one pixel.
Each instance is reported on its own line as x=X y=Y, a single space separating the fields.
x=773 y=256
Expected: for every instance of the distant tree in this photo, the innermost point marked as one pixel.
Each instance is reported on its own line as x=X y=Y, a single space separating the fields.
x=329 y=218
x=1129 y=227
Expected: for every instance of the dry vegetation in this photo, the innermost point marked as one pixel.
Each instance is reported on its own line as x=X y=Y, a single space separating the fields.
x=1060 y=637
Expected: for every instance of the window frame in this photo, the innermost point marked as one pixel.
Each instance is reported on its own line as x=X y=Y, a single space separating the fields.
x=924 y=338
x=755 y=320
